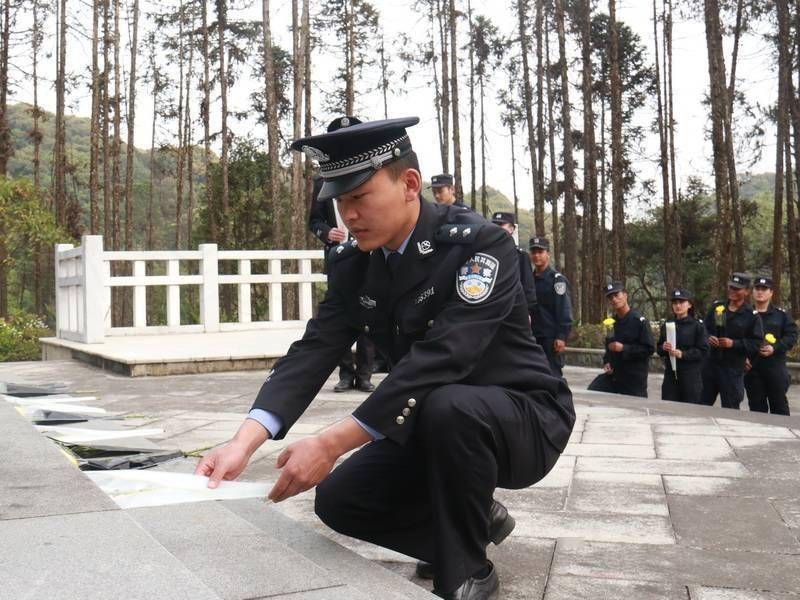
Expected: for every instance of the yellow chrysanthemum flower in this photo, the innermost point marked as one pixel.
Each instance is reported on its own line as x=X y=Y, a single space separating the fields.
x=608 y=322
x=770 y=338
x=720 y=309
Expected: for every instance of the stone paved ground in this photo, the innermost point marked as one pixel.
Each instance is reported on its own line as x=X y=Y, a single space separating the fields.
x=650 y=500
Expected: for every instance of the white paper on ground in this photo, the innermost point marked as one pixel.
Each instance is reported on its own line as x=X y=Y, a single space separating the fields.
x=38 y=400
x=672 y=339
x=137 y=488
x=78 y=435
x=75 y=409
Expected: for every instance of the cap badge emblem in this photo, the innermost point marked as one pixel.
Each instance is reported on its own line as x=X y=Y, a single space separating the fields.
x=345 y=122
x=315 y=154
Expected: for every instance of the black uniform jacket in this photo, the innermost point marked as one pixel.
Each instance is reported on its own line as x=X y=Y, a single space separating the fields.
x=553 y=317
x=321 y=215
x=778 y=323
x=528 y=283
x=691 y=339
x=434 y=321
x=743 y=327
x=633 y=331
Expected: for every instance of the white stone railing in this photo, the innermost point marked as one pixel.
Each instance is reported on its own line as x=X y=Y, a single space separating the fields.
x=84 y=281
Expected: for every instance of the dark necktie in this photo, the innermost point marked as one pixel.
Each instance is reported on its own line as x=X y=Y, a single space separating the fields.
x=393 y=263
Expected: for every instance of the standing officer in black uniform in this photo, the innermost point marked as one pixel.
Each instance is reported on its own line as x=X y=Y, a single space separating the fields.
x=507 y=222
x=470 y=403
x=735 y=334
x=444 y=190
x=685 y=383
x=552 y=320
x=325 y=223
x=767 y=380
x=629 y=344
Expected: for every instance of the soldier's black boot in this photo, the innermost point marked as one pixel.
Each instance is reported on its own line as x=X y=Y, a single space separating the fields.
x=476 y=587
x=343 y=385
x=501 y=524
x=364 y=385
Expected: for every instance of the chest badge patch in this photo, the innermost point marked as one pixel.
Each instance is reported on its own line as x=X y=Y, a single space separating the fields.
x=475 y=280
x=424 y=247
x=367 y=302
x=560 y=287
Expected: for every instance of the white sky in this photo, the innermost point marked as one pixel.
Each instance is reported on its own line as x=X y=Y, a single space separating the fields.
x=756 y=76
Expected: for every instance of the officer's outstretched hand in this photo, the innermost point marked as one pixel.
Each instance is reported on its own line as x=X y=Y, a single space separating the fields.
x=607 y=368
x=226 y=462
x=558 y=346
x=305 y=463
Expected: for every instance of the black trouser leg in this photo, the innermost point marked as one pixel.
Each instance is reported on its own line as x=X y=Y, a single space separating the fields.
x=431 y=498
x=756 y=392
x=731 y=387
x=347 y=367
x=603 y=383
x=556 y=361
x=690 y=382
x=710 y=378
x=670 y=388
x=365 y=358
x=774 y=380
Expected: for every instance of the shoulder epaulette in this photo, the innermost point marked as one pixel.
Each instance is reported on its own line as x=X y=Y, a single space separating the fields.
x=557 y=274
x=342 y=251
x=458 y=233
x=755 y=312
x=642 y=319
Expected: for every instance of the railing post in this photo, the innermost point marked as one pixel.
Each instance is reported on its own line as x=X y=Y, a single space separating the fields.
x=306 y=288
x=209 y=289
x=62 y=310
x=173 y=294
x=93 y=290
x=244 y=294
x=275 y=293
x=139 y=295
x=107 y=294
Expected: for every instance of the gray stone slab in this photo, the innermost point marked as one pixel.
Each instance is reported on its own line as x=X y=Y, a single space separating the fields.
x=678 y=564
x=631 y=529
x=368 y=578
x=730 y=523
x=618 y=450
x=662 y=466
x=707 y=593
x=331 y=593
x=90 y=556
x=230 y=555
x=745 y=487
x=609 y=432
x=523 y=566
x=621 y=493
x=699 y=452
x=573 y=588
x=676 y=439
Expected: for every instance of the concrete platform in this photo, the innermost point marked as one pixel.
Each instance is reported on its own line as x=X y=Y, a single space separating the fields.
x=178 y=354
x=650 y=500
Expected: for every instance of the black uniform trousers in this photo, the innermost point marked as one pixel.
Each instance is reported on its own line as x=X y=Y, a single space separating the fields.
x=766 y=387
x=688 y=387
x=614 y=384
x=727 y=382
x=430 y=499
x=556 y=361
x=361 y=367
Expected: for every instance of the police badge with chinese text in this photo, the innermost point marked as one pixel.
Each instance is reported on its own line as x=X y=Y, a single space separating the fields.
x=475 y=280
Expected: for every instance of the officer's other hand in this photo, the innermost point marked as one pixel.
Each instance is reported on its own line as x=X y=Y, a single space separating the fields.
x=676 y=353
x=713 y=340
x=226 y=462
x=616 y=346
x=725 y=342
x=607 y=368
x=747 y=365
x=558 y=346
x=767 y=350
x=304 y=464
x=667 y=347
x=337 y=235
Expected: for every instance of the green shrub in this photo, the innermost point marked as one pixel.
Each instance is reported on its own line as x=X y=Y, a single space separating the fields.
x=19 y=337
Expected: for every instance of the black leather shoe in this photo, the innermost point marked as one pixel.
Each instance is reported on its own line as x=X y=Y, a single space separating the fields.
x=473 y=588
x=500 y=525
x=343 y=385
x=364 y=385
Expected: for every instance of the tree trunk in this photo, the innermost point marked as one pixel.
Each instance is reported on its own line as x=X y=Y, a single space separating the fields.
x=384 y=78
x=551 y=138
x=484 y=195
x=718 y=97
x=527 y=90
x=570 y=224
x=617 y=199
x=677 y=265
x=514 y=175
x=59 y=145
x=540 y=137
x=106 y=107
x=454 y=91
x=116 y=175
x=590 y=251
x=188 y=138
x=472 y=173
x=156 y=85
x=307 y=119
x=273 y=192
x=350 y=58
x=5 y=139
x=733 y=180
x=222 y=25
x=442 y=10
x=179 y=149
x=131 y=122
x=94 y=142
x=206 y=114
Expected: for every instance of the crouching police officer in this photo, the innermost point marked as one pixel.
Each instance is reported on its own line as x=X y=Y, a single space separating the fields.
x=470 y=403
x=685 y=382
x=735 y=333
x=508 y=222
x=767 y=379
x=629 y=344
x=552 y=320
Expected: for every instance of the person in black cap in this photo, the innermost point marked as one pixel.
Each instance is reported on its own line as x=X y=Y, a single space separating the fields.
x=629 y=344
x=552 y=319
x=325 y=222
x=735 y=333
x=685 y=382
x=508 y=222
x=444 y=190
x=766 y=379
x=470 y=403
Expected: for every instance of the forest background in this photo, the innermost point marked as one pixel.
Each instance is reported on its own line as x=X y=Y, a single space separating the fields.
x=575 y=114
